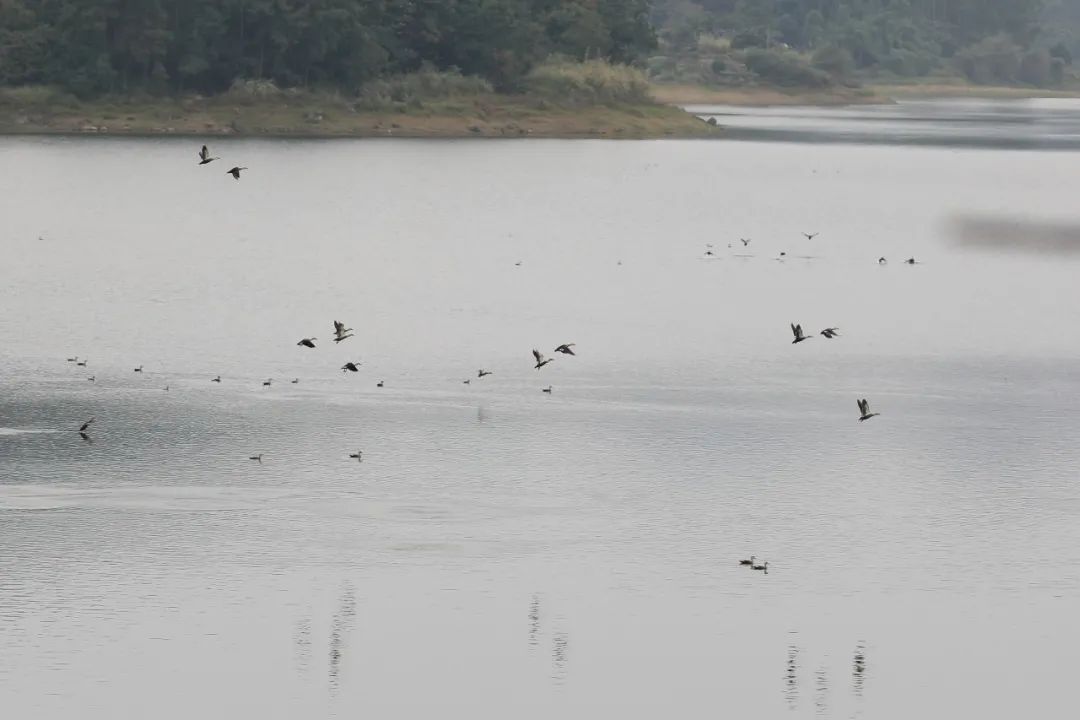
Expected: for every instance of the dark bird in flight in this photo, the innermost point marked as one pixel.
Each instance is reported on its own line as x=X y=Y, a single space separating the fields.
x=540 y=360
x=745 y=241
x=881 y=261
x=268 y=382
x=749 y=562
x=85 y=425
x=358 y=455
x=257 y=457
x=308 y=342
x=481 y=373
x=204 y=156
x=341 y=332
x=566 y=349
x=864 y=410
x=831 y=332
x=235 y=172
x=217 y=379
x=547 y=390
x=138 y=369
x=764 y=568
x=799 y=337
x=810 y=236
x=350 y=367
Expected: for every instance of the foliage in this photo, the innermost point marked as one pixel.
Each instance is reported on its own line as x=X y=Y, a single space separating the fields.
x=784 y=68
x=99 y=46
x=595 y=82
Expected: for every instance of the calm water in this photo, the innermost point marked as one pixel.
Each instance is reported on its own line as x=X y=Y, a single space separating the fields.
x=502 y=553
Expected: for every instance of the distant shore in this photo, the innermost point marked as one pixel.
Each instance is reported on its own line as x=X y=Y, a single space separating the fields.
x=303 y=115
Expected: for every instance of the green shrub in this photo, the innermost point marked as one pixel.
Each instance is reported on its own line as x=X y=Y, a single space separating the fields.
x=993 y=59
x=595 y=82
x=834 y=60
x=413 y=89
x=784 y=68
x=36 y=96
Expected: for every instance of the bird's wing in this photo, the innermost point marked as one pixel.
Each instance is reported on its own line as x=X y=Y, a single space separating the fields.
x=798 y=331
x=866 y=406
x=338 y=326
x=794 y=330
x=204 y=152
x=862 y=406
x=538 y=356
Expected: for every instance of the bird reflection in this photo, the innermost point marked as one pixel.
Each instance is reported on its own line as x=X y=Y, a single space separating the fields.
x=821 y=686
x=558 y=656
x=481 y=414
x=534 y=619
x=858 y=670
x=303 y=644
x=340 y=625
x=791 y=681
x=86 y=438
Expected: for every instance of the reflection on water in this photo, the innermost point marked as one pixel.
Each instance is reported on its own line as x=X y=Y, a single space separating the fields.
x=821 y=691
x=858 y=670
x=559 y=644
x=340 y=625
x=534 y=620
x=1034 y=123
x=791 y=682
x=302 y=643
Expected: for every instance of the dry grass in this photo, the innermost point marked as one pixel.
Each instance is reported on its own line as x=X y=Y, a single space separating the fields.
x=761 y=96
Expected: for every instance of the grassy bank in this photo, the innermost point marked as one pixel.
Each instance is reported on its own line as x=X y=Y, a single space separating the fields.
x=590 y=100
x=969 y=90
x=684 y=94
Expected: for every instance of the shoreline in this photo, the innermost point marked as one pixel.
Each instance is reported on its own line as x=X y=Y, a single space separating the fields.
x=320 y=117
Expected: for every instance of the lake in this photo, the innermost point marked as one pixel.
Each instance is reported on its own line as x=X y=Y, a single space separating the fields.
x=501 y=552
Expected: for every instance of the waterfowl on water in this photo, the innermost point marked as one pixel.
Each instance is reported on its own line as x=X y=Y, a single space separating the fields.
x=358 y=455
x=92 y=378
x=864 y=410
x=481 y=373
x=547 y=390
x=466 y=382
x=798 y=332
x=295 y=381
x=81 y=363
x=909 y=261
x=217 y=379
x=350 y=367
x=268 y=382
x=85 y=425
x=764 y=568
x=166 y=388
x=748 y=562
x=74 y=359
x=566 y=349
x=540 y=360
x=235 y=172
x=831 y=332
x=257 y=457
x=204 y=156
x=138 y=369
x=308 y=342
x=379 y=384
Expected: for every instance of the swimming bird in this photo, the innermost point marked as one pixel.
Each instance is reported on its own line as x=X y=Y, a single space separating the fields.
x=85 y=425
x=748 y=562
x=74 y=359
x=547 y=390
x=350 y=367
x=810 y=236
x=81 y=363
x=466 y=382
x=799 y=337
x=831 y=332
x=517 y=264
x=358 y=455
x=481 y=373
x=257 y=457
x=881 y=261
x=92 y=378
x=341 y=332
x=204 y=156
x=764 y=568
x=910 y=261
x=235 y=172
x=138 y=369
x=566 y=348
x=295 y=381
x=379 y=384
x=217 y=379
x=166 y=388
x=308 y=342
x=540 y=360
x=708 y=250
x=268 y=382
x=864 y=409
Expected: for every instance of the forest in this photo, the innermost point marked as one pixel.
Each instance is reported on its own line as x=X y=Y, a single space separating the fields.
x=815 y=42
x=126 y=47
x=93 y=47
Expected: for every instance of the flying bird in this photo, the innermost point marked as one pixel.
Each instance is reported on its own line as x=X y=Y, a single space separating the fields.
x=810 y=236
x=308 y=342
x=748 y=562
x=341 y=332
x=799 y=337
x=86 y=438
x=540 y=360
x=204 y=156
x=350 y=367
x=566 y=349
x=882 y=261
x=86 y=425
x=235 y=172
x=864 y=410
x=257 y=457
x=745 y=241
x=481 y=373
x=831 y=332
